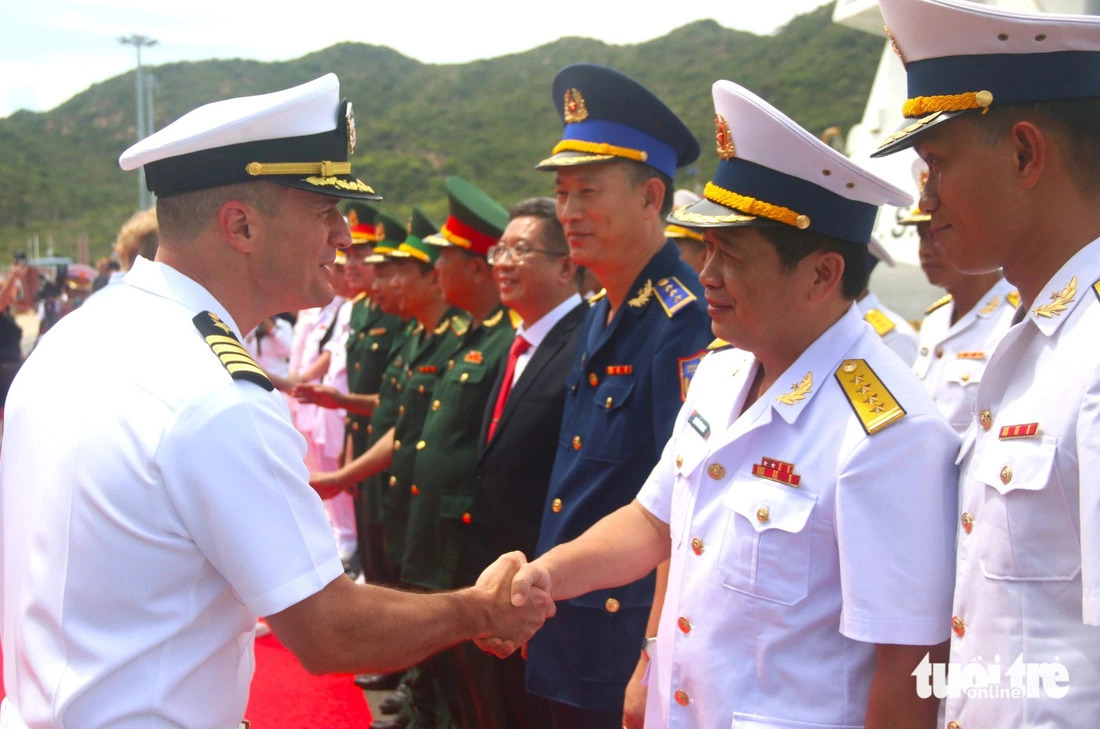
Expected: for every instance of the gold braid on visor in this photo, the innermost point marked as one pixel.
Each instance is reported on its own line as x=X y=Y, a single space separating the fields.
x=576 y=145
x=752 y=206
x=922 y=105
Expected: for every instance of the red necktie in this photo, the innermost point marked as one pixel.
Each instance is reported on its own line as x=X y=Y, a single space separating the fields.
x=519 y=346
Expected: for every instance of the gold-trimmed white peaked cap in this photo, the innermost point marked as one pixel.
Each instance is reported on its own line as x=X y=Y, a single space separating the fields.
x=300 y=137
x=773 y=172
x=962 y=58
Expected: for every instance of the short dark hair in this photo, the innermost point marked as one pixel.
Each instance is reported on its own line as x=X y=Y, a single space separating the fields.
x=1075 y=122
x=792 y=245
x=183 y=216
x=639 y=172
x=544 y=209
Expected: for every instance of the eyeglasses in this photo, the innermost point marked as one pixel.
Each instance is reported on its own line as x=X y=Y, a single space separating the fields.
x=517 y=253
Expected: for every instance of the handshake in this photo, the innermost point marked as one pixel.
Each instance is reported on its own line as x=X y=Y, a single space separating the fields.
x=520 y=600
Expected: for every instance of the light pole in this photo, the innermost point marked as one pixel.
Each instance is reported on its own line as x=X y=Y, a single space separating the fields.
x=144 y=126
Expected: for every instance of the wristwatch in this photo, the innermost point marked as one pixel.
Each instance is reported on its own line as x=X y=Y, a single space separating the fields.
x=647 y=646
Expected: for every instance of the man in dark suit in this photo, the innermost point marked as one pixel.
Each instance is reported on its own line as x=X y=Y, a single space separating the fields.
x=538 y=281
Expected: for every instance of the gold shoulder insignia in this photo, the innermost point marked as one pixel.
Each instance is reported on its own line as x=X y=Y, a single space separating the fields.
x=597 y=296
x=942 y=301
x=442 y=326
x=362 y=295
x=873 y=404
x=234 y=357
x=494 y=319
x=416 y=328
x=460 y=325
x=1013 y=299
x=879 y=322
x=672 y=295
x=1058 y=301
x=644 y=295
x=799 y=390
x=1096 y=288
x=990 y=305
x=718 y=344
x=515 y=318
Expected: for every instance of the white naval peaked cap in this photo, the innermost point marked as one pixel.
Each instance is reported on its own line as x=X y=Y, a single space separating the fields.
x=961 y=57
x=773 y=172
x=299 y=137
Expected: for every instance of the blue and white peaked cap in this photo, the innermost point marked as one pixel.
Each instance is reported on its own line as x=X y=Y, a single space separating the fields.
x=300 y=137
x=773 y=172
x=961 y=58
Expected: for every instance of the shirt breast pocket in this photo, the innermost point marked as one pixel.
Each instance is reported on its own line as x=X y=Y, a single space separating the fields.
x=1024 y=529
x=767 y=544
x=963 y=372
x=687 y=462
x=613 y=420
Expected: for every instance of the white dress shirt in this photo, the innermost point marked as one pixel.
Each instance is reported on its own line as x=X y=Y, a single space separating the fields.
x=1028 y=574
x=151 y=508
x=538 y=331
x=778 y=591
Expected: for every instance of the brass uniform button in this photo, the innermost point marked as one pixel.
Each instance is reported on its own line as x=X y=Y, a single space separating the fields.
x=716 y=471
x=414 y=490
x=609 y=403
x=420 y=445
x=849 y=368
x=400 y=409
x=397 y=445
x=393 y=381
x=954 y=725
x=592 y=379
x=451 y=364
x=763 y=514
x=393 y=480
x=612 y=605
x=362 y=335
x=355 y=427
x=965 y=377
x=684 y=625
x=374 y=347
x=576 y=442
x=985 y=419
x=370 y=429
x=347 y=421
x=358 y=366
x=967 y=522
x=435 y=405
x=681 y=697
x=939 y=353
x=923 y=351
x=466 y=518
x=420 y=389
x=958 y=626
x=464 y=376
x=555 y=506
x=679 y=461
x=697 y=545
x=1006 y=475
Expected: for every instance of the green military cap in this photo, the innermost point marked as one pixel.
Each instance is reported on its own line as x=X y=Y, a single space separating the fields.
x=362 y=221
x=391 y=234
x=420 y=227
x=475 y=221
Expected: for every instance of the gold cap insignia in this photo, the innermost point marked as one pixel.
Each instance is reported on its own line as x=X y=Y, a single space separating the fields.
x=724 y=137
x=350 y=117
x=575 y=109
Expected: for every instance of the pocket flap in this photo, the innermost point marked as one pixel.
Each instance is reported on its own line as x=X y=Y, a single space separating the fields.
x=769 y=505
x=1021 y=463
x=613 y=392
x=963 y=371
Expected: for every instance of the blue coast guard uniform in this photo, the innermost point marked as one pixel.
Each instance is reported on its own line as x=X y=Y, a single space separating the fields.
x=1027 y=576
x=628 y=381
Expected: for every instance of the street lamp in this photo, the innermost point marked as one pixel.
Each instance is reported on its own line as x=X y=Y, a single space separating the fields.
x=144 y=125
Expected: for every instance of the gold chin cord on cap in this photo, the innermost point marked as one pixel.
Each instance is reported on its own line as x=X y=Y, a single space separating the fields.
x=752 y=206
x=324 y=169
x=922 y=105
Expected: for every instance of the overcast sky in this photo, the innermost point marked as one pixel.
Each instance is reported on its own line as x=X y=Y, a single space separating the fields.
x=57 y=49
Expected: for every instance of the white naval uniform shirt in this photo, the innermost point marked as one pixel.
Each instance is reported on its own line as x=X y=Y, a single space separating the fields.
x=777 y=594
x=1028 y=574
x=901 y=338
x=151 y=507
x=952 y=357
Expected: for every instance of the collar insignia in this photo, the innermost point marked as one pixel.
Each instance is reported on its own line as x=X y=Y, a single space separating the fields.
x=798 y=391
x=1058 y=301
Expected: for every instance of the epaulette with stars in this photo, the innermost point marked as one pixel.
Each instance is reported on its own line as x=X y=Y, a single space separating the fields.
x=233 y=356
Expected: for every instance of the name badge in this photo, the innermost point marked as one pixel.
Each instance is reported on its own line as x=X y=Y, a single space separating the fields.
x=700 y=424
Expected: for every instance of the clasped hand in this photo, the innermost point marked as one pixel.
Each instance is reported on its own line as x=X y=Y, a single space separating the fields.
x=523 y=603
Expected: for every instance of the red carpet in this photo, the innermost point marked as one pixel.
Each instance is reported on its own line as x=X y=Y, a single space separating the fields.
x=285 y=696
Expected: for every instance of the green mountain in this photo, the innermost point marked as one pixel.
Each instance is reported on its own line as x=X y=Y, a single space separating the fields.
x=489 y=121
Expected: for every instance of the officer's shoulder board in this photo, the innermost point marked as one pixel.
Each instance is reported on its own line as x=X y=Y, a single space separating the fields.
x=672 y=295
x=872 y=402
x=1095 y=289
x=1013 y=297
x=233 y=356
x=495 y=319
x=938 y=303
x=881 y=323
x=460 y=325
x=596 y=297
x=718 y=345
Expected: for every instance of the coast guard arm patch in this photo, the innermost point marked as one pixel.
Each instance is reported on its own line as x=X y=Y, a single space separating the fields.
x=233 y=356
